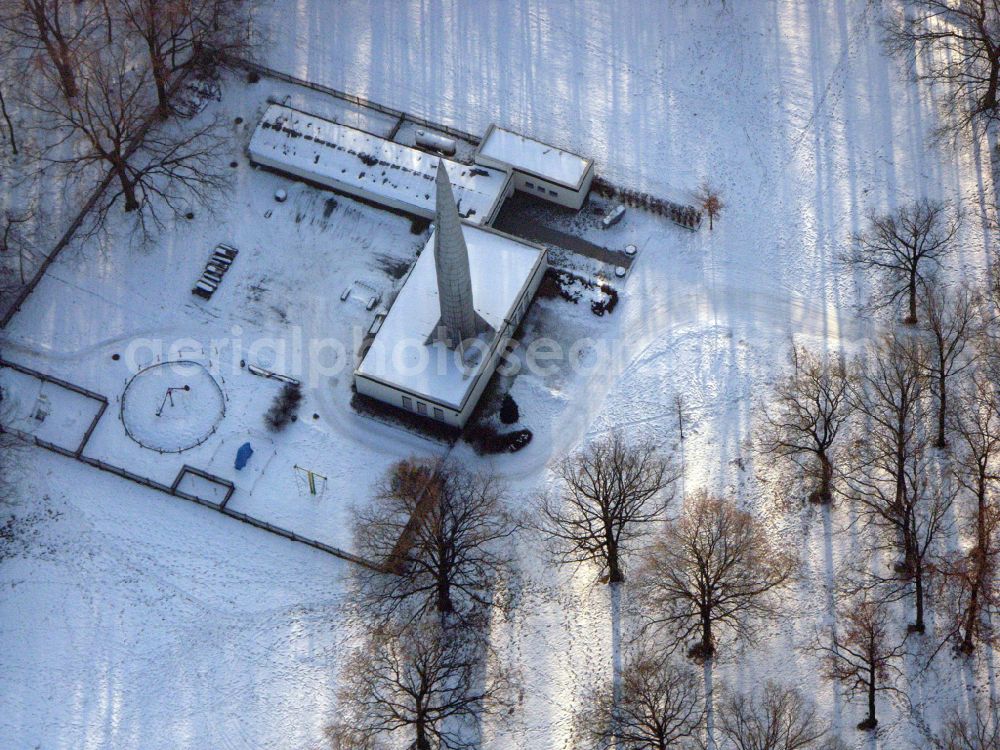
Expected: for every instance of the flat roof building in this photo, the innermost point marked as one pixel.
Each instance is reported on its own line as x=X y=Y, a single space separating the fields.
x=539 y=169
x=416 y=361
x=361 y=164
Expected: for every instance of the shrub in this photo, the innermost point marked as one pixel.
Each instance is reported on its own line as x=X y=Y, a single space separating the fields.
x=284 y=407
x=486 y=439
x=606 y=305
x=509 y=412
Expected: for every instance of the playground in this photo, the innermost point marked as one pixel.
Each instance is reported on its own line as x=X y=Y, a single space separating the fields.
x=188 y=381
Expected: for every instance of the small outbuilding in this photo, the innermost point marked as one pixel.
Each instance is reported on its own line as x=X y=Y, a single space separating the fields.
x=538 y=169
x=448 y=328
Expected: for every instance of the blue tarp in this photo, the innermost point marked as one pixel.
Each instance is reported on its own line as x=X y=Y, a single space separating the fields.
x=243 y=455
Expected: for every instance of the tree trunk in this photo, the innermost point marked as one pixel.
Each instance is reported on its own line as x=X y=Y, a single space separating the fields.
x=912 y=317
x=67 y=79
x=56 y=48
x=423 y=741
x=162 y=101
x=825 y=494
x=108 y=22
x=444 y=603
x=942 y=440
x=128 y=189
x=707 y=647
x=988 y=104
x=971 y=615
x=870 y=722
x=160 y=76
x=918 y=585
x=615 y=573
x=900 y=493
x=10 y=125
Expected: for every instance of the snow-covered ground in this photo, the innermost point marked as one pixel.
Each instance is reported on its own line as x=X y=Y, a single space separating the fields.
x=139 y=620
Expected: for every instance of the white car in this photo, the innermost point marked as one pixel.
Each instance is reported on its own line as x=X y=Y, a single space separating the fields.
x=613 y=217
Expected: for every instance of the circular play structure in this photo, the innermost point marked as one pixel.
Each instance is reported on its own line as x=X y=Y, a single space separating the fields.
x=170 y=407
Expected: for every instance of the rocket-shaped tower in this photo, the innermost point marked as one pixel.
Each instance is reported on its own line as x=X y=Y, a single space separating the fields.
x=459 y=320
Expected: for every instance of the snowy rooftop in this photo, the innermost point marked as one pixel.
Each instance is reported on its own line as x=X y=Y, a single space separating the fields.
x=500 y=266
x=540 y=159
x=361 y=163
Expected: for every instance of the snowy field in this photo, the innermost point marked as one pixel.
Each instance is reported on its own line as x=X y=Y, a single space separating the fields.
x=139 y=620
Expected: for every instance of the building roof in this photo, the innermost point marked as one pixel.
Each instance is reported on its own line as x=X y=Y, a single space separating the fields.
x=403 y=354
x=534 y=157
x=358 y=162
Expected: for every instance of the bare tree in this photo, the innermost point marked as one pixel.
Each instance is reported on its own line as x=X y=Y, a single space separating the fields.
x=444 y=531
x=178 y=33
x=159 y=24
x=54 y=33
x=611 y=492
x=971 y=575
x=958 y=45
x=889 y=481
x=980 y=731
x=913 y=529
x=863 y=657
x=950 y=319
x=888 y=393
x=421 y=682
x=808 y=410
x=659 y=705
x=13 y=239
x=904 y=246
x=713 y=568
x=710 y=201
x=153 y=168
x=778 y=718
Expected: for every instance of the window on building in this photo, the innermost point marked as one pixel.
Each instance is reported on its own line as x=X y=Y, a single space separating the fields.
x=439 y=414
x=530 y=184
x=421 y=408
x=407 y=403
x=541 y=188
x=553 y=193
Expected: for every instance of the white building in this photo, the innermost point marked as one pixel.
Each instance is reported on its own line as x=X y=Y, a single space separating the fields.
x=539 y=169
x=441 y=341
x=361 y=164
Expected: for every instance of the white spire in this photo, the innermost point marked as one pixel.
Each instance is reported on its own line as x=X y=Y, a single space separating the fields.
x=451 y=261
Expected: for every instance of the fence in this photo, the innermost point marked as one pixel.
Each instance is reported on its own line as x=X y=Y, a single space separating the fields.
x=200 y=473
x=173 y=489
x=94 y=396
x=688 y=217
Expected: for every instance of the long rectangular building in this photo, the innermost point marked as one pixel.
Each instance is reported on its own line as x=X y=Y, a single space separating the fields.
x=361 y=164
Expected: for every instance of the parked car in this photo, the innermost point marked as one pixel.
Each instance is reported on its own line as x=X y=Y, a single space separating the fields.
x=613 y=216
